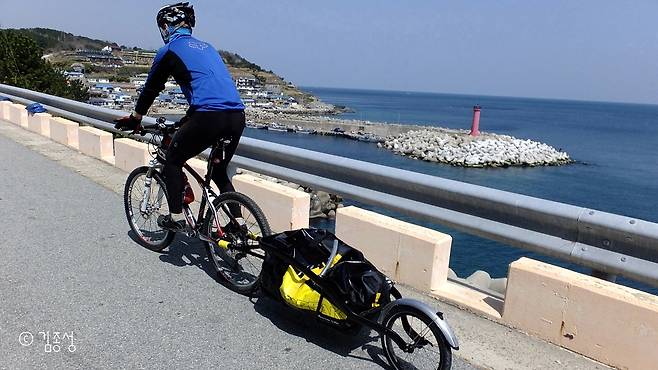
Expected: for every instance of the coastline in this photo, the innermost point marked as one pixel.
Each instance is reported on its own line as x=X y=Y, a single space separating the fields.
x=326 y=125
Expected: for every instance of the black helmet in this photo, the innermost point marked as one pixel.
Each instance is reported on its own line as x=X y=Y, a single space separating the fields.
x=172 y=17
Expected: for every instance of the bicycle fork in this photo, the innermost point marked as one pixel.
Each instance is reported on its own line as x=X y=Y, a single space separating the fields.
x=146 y=194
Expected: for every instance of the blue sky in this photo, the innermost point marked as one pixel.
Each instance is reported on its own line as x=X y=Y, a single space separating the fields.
x=584 y=50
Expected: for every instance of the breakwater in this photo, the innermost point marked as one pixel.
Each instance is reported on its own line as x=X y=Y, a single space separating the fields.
x=458 y=148
x=431 y=144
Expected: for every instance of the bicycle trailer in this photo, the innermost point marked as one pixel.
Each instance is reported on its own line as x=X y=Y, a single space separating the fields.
x=349 y=275
x=313 y=271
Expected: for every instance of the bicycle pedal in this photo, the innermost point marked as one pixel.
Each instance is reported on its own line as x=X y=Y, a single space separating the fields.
x=190 y=232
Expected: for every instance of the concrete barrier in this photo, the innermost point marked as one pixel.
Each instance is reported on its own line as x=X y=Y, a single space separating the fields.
x=5 y=107
x=610 y=323
x=39 y=123
x=96 y=143
x=408 y=253
x=64 y=131
x=130 y=154
x=284 y=207
x=18 y=115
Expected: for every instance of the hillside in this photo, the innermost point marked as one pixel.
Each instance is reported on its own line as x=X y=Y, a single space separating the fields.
x=59 y=45
x=54 y=40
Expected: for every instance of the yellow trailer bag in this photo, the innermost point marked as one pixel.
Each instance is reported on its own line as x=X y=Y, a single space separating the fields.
x=297 y=293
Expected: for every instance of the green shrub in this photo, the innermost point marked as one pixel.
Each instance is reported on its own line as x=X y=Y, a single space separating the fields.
x=21 y=65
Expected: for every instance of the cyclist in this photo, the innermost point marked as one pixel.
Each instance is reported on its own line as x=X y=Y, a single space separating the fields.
x=215 y=109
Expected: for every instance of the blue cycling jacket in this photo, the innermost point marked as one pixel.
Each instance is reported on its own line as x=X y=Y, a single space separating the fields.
x=198 y=69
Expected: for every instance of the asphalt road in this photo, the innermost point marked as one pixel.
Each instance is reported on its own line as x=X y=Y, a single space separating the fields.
x=69 y=266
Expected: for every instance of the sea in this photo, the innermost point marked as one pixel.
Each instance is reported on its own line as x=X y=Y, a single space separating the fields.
x=614 y=146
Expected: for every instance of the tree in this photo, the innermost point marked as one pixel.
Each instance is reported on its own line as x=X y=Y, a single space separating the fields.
x=21 y=65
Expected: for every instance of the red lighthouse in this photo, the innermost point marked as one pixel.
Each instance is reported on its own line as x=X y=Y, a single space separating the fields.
x=475 y=127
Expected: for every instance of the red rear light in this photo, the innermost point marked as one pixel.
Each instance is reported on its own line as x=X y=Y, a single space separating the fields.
x=188 y=194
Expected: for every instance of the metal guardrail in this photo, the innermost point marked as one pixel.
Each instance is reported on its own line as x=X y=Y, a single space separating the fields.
x=608 y=243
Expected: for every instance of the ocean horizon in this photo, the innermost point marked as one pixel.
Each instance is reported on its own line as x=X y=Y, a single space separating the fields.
x=309 y=88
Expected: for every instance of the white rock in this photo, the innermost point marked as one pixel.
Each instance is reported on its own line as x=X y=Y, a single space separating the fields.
x=458 y=148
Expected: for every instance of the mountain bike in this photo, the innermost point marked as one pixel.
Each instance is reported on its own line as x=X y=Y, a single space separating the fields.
x=231 y=224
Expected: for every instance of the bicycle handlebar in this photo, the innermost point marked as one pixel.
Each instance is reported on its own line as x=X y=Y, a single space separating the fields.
x=159 y=126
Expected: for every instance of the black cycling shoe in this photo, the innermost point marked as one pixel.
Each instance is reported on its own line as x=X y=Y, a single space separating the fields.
x=166 y=222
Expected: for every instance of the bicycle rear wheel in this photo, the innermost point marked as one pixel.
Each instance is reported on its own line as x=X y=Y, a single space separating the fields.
x=143 y=221
x=430 y=350
x=243 y=224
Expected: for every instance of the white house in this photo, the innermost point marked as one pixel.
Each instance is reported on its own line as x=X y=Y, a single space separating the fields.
x=75 y=76
x=98 y=80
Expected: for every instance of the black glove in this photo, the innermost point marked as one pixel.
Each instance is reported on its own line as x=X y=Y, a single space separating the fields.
x=128 y=123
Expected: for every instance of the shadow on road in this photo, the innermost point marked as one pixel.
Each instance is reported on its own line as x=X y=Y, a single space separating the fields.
x=185 y=251
x=305 y=326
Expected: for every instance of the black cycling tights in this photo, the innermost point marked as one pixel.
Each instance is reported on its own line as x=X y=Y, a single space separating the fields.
x=200 y=131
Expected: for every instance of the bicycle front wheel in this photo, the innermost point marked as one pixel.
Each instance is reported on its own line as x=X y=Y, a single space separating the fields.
x=144 y=200
x=243 y=224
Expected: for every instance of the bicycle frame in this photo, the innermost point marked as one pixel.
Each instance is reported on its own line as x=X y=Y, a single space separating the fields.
x=156 y=164
x=205 y=200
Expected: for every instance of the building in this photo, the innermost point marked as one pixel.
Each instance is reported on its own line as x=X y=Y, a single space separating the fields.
x=104 y=89
x=75 y=76
x=180 y=102
x=177 y=93
x=165 y=98
x=274 y=89
x=264 y=94
x=100 y=58
x=139 y=80
x=78 y=67
x=98 y=80
x=120 y=98
x=245 y=81
x=138 y=57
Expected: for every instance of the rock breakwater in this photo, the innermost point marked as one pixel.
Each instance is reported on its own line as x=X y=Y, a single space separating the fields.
x=458 y=148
